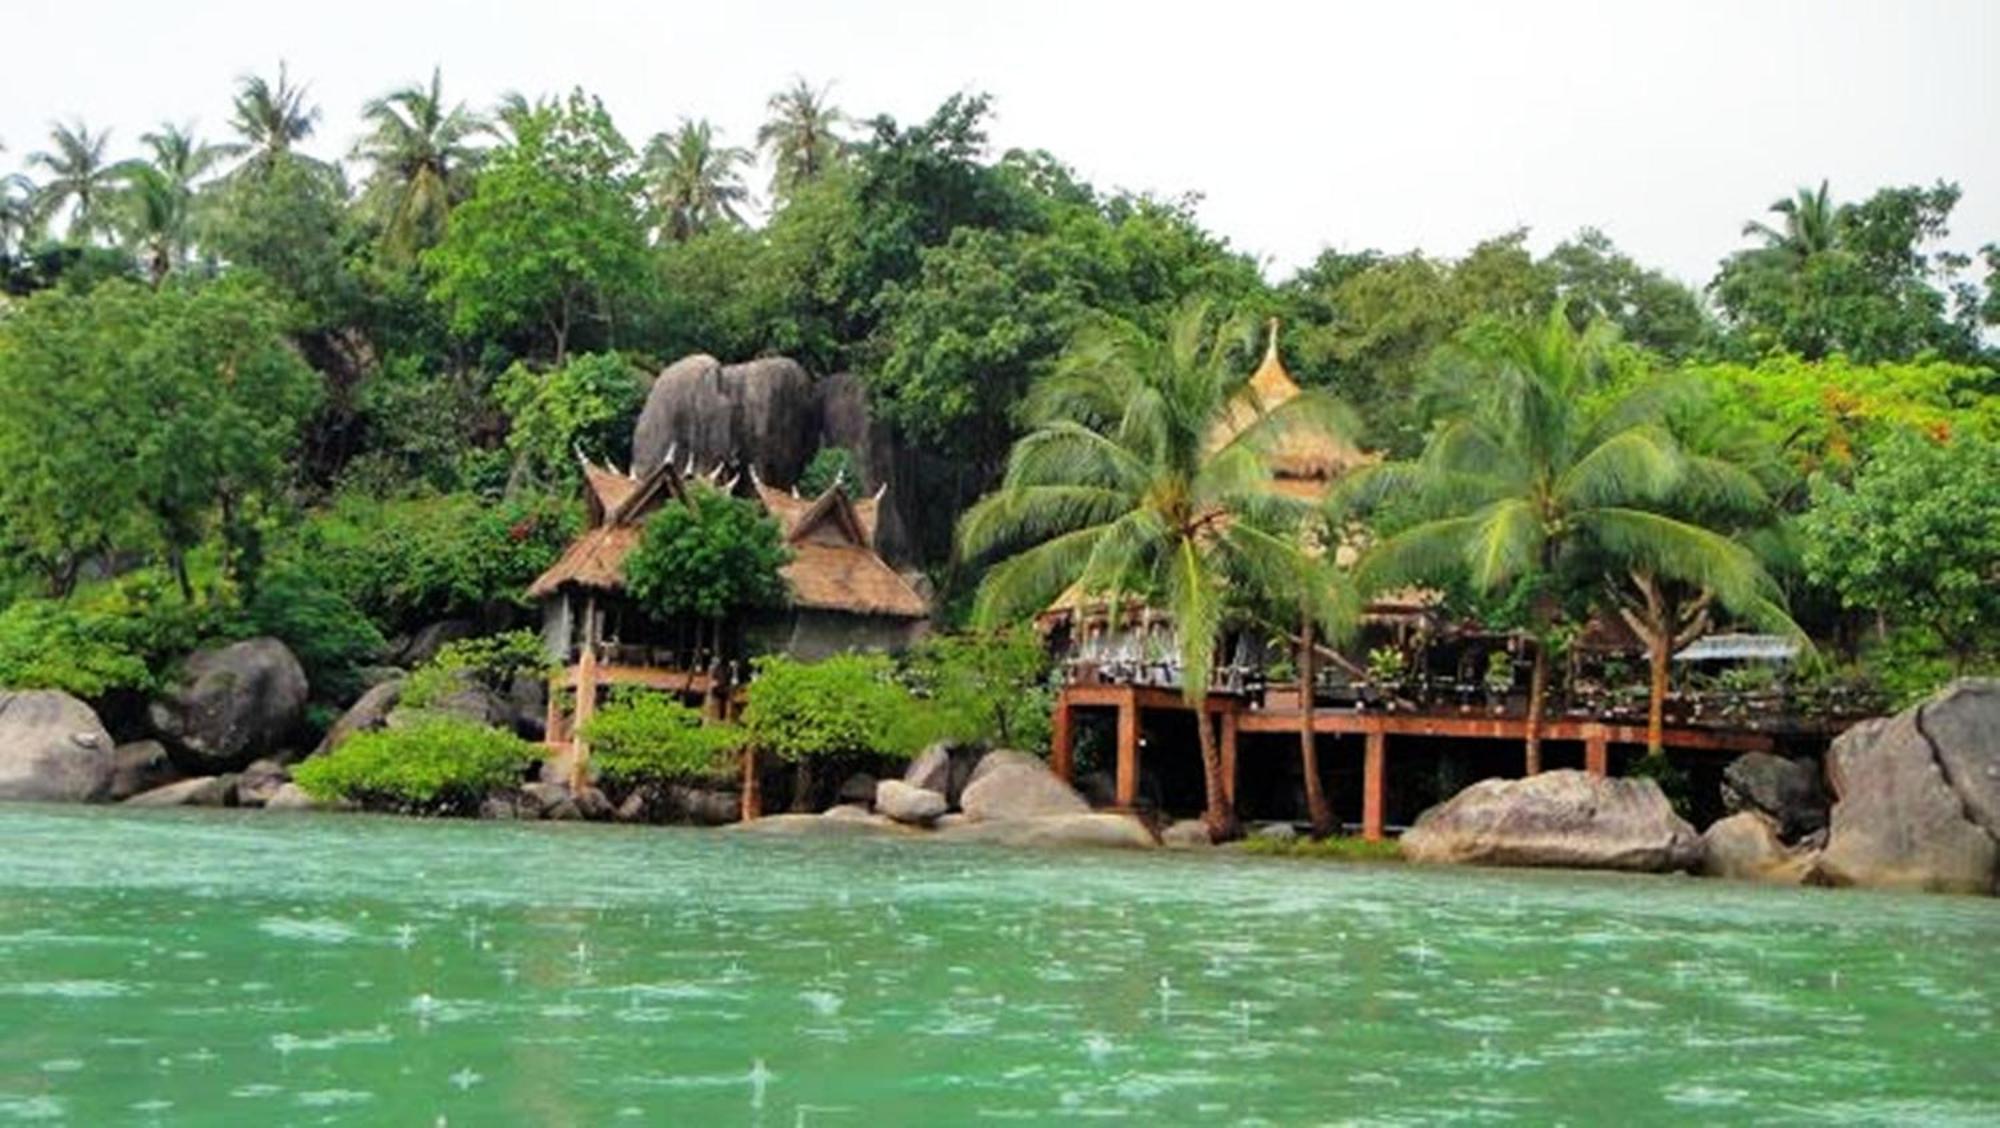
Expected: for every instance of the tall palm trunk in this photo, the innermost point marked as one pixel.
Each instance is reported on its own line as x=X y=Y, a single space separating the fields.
x=1317 y=807
x=1220 y=819
x=753 y=791
x=1659 y=652
x=1538 y=691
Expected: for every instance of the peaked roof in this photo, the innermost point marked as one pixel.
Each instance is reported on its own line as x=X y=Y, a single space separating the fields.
x=834 y=564
x=1301 y=463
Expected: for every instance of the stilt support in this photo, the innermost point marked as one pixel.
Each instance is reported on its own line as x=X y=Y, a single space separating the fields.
x=1128 y=751
x=1596 y=750
x=1373 y=771
x=1062 y=741
x=1229 y=759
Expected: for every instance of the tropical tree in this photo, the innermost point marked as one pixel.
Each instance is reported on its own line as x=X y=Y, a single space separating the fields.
x=692 y=182
x=80 y=178
x=1810 y=225
x=1546 y=477
x=159 y=196
x=271 y=118
x=17 y=212
x=1130 y=484
x=420 y=148
x=801 y=136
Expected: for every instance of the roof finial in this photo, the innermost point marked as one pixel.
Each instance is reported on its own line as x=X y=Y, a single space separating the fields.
x=1271 y=345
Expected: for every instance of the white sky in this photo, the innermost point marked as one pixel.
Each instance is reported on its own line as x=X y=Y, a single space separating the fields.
x=1375 y=124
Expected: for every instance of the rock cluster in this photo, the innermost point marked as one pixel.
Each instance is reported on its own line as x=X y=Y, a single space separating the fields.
x=231 y=705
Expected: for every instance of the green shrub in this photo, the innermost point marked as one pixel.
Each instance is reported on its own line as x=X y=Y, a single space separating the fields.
x=643 y=736
x=492 y=660
x=435 y=764
x=850 y=704
x=124 y=635
x=708 y=560
x=985 y=688
x=588 y=404
x=413 y=561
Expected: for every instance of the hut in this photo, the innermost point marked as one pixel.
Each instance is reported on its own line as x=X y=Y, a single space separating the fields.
x=843 y=595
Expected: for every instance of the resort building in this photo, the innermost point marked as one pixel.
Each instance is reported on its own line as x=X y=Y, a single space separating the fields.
x=843 y=596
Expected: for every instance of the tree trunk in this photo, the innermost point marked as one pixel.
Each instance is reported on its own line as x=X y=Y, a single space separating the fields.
x=753 y=791
x=1659 y=652
x=1220 y=819
x=802 y=786
x=1317 y=808
x=177 y=562
x=1538 y=691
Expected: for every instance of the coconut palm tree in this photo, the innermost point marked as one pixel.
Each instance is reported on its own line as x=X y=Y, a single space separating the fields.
x=17 y=195
x=420 y=147
x=159 y=196
x=801 y=136
x=80 y=178
x=1811 y=226
x=1544 y=473
x=1129 y=484
x=270 y=118
x=693 y=182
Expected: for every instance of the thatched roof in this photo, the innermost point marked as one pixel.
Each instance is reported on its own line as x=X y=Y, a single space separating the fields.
x=834 y=565
x=1302 y=463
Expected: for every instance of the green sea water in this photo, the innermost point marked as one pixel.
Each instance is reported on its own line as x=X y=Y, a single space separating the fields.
x=245 y=968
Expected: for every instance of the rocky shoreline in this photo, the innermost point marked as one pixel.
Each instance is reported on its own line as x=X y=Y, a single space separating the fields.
x=1904 y=802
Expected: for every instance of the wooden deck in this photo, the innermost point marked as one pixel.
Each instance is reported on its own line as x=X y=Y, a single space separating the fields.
x=1236 y=715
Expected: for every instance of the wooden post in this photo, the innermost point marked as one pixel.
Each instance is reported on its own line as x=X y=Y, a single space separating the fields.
x=1372 y=783
x=586 y=699
x=753 y=791
x=1062 y=739
x=1128 y=750
x=1596 y=750
x=1229 y=758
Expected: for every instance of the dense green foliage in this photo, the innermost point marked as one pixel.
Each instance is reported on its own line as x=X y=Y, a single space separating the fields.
x=585 y=406
x=434 y=765
x=645 y=737
x=847 y=705
x=707 y=559
x=985 y=688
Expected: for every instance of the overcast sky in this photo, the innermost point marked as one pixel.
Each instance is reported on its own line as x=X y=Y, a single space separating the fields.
x=1377 y=124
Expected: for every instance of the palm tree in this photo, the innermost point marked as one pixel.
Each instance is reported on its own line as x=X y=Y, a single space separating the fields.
x=17 y=195
x=420 y=148
x=1128 y=484
x=79 y=177
x=510 y=114
x=1545 y=473
x=159 y=196
x=1811 y=226
x=693 y=182
x=801 y=136
x=1725 y=491
x=270 y=119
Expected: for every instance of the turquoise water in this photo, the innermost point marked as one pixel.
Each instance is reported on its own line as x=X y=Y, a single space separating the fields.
x=245 y=968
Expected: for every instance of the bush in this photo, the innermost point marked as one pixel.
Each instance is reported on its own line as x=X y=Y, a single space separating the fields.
x=413 y=561
x=708 y=560
x=647 y=737
x=125 y=635
x=587 y=404
x=850 y=704
x=436 y=764
x=493 y=661
x=988 y=689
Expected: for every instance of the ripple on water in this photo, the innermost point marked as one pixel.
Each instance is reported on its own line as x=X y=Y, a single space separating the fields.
x=318 y=930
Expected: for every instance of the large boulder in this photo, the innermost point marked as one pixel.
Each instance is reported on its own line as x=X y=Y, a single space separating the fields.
x=915 y=805
x=1012 y=785
x=139 y=766
x=467 y=699
x=1086 y=829
x=421 y=647
x=1560 y=818
x=369 y=713
x=701 y=806
x=766 y=412
x=52 y=748
x=1914 y=796
x=1747 y=846
x=1787 y=790
x=258 y=783
x=292 y=797
x=232 y=705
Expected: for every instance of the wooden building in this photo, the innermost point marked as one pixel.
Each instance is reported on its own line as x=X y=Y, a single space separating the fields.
x=843 y=596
